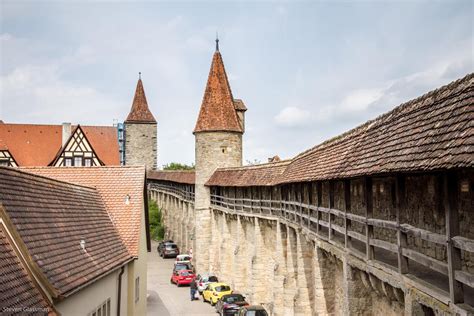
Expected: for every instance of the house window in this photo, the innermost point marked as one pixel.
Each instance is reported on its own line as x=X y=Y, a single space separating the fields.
x=4 y=162
x=68 y=162
x=101 y=310
x=137 y=289
x=87 y=162
x=77 y=161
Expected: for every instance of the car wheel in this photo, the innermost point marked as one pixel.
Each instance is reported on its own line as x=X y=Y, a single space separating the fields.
x=212 y=303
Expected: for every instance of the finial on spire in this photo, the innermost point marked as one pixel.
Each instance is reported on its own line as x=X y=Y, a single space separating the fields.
x=140 y=75
x=217 y=42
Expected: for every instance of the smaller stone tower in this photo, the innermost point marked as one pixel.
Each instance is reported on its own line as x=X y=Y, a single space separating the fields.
x=218 y=143
x=140 y=132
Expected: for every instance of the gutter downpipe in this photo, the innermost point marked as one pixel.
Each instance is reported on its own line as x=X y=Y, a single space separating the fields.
x=120 y=289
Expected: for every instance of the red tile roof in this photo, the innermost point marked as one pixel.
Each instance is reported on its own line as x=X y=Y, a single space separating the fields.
x=140 y=113
x=18 y=290
x=113 y=185
x=38 y=145
x=258 y=175
x=178 y=176
x=52 y=219
x=218 y=112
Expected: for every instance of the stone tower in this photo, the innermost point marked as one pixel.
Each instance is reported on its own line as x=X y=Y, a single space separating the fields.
x=140 y=132
x=218 y=143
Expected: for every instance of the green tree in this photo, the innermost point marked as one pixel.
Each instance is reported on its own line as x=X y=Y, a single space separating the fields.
x=178 y=166
x=155 y=214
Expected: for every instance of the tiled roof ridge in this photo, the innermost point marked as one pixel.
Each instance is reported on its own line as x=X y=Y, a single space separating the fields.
x=20 y=170
x=259 y=166
x=369 y=123
x=73 y=125
x=91 y=167
x=173 y=171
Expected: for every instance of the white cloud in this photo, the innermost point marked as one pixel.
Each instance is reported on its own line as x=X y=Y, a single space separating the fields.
x=360 y=100
x=293 y=116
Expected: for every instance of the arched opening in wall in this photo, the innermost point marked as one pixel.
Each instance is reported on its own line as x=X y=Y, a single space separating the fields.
x=422 y=310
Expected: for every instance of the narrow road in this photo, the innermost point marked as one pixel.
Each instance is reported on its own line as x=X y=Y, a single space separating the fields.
x=165 y=299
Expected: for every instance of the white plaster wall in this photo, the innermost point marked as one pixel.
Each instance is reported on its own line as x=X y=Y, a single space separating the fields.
x=92 y=296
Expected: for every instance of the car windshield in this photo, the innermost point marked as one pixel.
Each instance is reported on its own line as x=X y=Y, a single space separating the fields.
x=234 y=298
x=180 y=267
x=171 y=246
x=222 y=288
x=256 y=313
x=212 y=279
x=185 y=273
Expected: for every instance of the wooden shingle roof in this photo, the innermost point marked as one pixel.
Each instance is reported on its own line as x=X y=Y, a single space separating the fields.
x=258 y=175
x=65 y=228
x=218 y=111
x=434 y=131
x=178 y=176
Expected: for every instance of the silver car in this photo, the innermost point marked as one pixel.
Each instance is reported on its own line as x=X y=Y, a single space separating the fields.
x=202 y=280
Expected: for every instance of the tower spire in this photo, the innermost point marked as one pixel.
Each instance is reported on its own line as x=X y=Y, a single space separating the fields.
x=140 y=111
x=217 y=42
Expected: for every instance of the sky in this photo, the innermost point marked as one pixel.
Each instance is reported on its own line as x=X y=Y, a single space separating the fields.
x=307 y=71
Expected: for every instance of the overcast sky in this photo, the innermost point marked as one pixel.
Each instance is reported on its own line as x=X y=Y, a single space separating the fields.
x=307 y=71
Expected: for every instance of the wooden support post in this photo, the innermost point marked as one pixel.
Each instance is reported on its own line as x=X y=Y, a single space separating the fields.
x=400 y=203
x=347 y=209
x=331 y=206
x=318 y=214
x=450 y=197
x=369 y=229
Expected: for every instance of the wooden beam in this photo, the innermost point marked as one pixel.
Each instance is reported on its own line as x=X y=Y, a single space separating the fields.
x=347 y=209
x=331 y=206
x=318 y=214
x=369 y=229
x=426 y=261
x=450 y=197
x=400 y=202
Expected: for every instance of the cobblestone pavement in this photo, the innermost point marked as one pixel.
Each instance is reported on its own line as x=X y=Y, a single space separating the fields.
x=165 y=299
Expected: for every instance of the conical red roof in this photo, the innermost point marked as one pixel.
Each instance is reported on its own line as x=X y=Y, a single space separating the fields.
x=217 y=110
x=140 y=111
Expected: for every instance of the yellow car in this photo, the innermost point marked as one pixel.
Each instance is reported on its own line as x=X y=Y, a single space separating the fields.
x=215 y=291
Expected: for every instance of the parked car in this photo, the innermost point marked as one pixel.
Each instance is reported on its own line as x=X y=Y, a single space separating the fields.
x=169 y=250
x=203 y=281
x=161 y=244
x=252 y=310
x=215 y=291
x=230 y=304
x=182 y=277
x=183 y=258
x=183 y=266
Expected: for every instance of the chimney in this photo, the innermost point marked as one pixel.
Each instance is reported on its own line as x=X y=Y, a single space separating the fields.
x=66 y=132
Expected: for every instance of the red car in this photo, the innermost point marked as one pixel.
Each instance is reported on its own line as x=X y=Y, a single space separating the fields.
x=182 y=277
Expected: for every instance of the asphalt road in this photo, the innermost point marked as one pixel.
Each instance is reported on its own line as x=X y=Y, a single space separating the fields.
x=165 y=299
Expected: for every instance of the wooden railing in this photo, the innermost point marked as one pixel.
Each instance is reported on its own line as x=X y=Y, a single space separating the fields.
x=309 y=216
x=184 y=195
